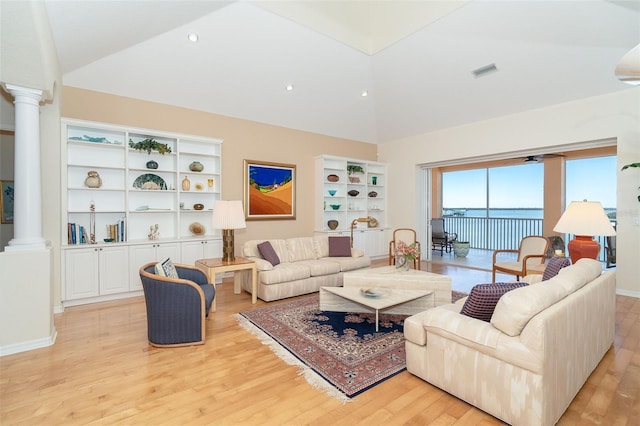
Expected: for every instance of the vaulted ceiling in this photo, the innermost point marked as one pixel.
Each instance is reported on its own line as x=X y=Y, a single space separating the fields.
x=414 y=58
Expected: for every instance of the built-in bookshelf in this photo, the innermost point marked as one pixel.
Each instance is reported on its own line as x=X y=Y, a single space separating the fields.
x=124 y=199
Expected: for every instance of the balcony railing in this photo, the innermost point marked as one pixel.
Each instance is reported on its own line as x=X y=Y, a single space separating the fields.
x=499 y=233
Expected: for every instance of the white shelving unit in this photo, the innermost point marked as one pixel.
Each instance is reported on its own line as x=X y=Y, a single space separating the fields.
x=125 y=200
x=349 y=189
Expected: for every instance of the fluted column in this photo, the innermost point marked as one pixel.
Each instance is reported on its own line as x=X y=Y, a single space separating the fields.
x=27 y=214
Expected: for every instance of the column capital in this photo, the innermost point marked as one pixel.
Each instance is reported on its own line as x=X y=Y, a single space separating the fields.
x=23 y=91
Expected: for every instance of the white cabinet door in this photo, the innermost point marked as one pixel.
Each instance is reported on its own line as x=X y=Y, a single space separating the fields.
x=140 y=255
x=213 y=249
x=114 y=270
x=81 y=274
x=192 y=251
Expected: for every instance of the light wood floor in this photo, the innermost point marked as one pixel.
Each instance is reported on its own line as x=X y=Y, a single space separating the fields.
x=102 y=371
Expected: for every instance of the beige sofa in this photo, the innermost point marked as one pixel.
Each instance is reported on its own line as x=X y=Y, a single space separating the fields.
x=527 y=365
x=305 y=266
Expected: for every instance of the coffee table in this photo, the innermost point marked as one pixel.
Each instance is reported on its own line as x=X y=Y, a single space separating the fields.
x=391 y=277
x=351 y=299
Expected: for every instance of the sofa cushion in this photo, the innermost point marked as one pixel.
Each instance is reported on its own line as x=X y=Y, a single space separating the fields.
x=301 y=249
x=576 y=276
x=284 y=273
x=483 y=299
x=268 y=253
x=350 y=263
x=517 y=307
x=320 y=267
x=553 y=267
x=250 y=249
x=339 y=246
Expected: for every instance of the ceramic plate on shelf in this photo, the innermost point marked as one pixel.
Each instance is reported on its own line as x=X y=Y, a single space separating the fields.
x=149 y=181
x=196 y=228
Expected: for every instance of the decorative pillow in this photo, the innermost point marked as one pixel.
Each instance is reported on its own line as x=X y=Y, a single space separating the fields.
x=484 y=297
x=553 y=267
x=166 y=269
x=339 y=246
x=268 y=253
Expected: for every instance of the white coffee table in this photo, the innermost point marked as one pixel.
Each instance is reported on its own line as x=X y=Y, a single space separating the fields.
x=350 y=299
x=391 y=277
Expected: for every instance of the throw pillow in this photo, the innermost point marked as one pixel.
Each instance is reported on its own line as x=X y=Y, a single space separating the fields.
x=167 y=269
x=268 y=253
x=484 y=297
x=339 y=246
x=553 y=267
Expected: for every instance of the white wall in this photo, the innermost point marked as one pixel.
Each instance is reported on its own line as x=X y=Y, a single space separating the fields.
x=7 y=149
x=615 y=115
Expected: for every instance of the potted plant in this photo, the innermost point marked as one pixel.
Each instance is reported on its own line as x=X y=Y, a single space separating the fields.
x=629 y=166
x=149 y=145
x=461 y=248
x=354 y=168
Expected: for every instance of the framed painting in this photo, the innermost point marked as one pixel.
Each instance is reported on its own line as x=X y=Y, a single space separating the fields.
x=6 y=201
x=269 y=191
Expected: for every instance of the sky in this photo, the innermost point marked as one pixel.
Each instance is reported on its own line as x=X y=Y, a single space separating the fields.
x=521 y=186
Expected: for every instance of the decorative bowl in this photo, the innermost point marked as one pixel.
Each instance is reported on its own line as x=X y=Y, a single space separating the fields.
x=333 y=178
x=198 y=206
x=332 y=192
x=197 y=228
x=334 y=206
x=108 y=240
x=354 y=179
x=332 y=224
x=353 y=193
x=373 y=194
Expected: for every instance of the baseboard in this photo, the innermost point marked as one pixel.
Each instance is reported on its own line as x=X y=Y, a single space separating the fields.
x=29 y=345
x=628 y=293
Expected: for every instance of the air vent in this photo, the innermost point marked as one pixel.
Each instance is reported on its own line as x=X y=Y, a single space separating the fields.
x=481 y=72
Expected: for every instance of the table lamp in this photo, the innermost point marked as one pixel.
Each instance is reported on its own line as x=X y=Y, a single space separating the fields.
x=228 y=215
x=584 y=219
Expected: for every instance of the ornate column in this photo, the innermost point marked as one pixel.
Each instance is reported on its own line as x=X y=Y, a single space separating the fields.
x=27 y=214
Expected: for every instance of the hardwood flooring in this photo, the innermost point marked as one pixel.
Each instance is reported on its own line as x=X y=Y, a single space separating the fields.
x=102 y=371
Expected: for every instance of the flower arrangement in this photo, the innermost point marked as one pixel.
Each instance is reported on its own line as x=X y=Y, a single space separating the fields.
x=409 y=252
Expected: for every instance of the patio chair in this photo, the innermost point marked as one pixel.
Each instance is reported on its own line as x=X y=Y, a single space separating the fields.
x=441 y=239
x=610 y=251
x=531 y=255
x=408 y=236
x=176 y=307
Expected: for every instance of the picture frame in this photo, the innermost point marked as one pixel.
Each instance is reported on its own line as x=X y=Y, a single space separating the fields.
x=6 y=201
x=269 y=190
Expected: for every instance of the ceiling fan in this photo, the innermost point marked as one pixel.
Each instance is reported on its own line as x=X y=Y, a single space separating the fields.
x=537 y=158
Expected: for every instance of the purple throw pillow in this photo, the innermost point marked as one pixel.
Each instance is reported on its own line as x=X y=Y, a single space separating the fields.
x=553 y=267
x=268 y=253
x=339 y=246
x=484 y=297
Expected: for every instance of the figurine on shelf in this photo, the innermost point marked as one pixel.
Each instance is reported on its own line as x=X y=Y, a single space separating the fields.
x=154 y=233
x=92 y=222
x=93 y=180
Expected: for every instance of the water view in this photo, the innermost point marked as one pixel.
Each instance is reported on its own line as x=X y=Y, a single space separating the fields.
x=523 y=213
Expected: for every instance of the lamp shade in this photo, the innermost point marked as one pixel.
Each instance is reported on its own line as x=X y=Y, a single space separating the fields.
x=585 y=218
x=228 y=215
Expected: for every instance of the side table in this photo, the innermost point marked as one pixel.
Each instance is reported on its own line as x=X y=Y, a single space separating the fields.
x=241 y=269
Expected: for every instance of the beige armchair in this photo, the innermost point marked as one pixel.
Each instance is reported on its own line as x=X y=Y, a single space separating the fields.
x=531 y=255
x=407 y=235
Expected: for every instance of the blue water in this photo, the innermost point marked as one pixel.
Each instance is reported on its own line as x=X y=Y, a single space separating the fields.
x=506 y=213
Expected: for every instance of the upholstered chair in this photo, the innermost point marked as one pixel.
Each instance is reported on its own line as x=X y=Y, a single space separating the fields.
x=531 y=255
x=176 y=307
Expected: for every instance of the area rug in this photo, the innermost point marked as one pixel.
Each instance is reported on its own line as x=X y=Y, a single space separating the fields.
x=338 y=352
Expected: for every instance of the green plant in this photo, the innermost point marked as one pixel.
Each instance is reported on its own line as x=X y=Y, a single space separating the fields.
x=149 y=145
x=354 y=168
x=629 y=166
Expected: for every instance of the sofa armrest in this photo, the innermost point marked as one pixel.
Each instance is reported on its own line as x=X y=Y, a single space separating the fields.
x=261 y=264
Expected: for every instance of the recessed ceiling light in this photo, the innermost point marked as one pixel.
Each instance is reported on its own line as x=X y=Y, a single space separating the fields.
x=289 y=87
x=364 y=93
x=193 y=37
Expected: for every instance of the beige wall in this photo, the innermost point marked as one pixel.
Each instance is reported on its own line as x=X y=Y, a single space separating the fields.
x=242 y=140
x=609 y=117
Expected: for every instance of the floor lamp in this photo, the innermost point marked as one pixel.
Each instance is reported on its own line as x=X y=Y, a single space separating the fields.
x=228 y=215
x=584 y=219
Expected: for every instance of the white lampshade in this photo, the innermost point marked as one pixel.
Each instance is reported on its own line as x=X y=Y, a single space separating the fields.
x=585 y=218
x=228 y=215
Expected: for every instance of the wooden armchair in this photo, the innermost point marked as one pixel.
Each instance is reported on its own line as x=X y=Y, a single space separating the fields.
x=407 y=235
x=531 y=254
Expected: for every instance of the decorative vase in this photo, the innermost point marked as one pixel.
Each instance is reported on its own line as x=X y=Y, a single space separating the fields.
x=332 y=224
x=196 y=166
x=402 y=263
x=198 y=206
x=461 y=248
x=93 y=180
x=186 y=184
x=152 y=164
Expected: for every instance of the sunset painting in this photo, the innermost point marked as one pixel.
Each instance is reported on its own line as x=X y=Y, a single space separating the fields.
x=269 y=190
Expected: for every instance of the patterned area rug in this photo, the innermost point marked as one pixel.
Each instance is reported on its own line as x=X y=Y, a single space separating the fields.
x=338 y=352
